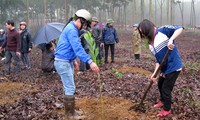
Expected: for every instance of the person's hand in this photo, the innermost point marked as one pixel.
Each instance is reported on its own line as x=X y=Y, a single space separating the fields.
x=102 y=45
x=94 y=67
x=154 y=79
x=170 y=45
x=18 y=54
x=29 y=49
x=1 y=49
x=76 y=67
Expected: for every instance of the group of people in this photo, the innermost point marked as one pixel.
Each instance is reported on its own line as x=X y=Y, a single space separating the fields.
x=15 y=45
x=72 y=45
x=159 y=39
x=105 y=39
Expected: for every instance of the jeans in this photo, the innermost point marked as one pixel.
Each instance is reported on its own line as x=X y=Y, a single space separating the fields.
x=66 y=71
x=9 y=56
x=165 y=86
x=25 y=59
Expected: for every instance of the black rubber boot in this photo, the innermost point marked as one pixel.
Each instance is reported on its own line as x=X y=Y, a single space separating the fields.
x=137 y=56
x=69 y=106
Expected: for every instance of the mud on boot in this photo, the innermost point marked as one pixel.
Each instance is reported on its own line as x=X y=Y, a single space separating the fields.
x=69 y=106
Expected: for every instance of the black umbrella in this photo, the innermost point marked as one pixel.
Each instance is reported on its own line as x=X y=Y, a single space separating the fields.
x=48 y=32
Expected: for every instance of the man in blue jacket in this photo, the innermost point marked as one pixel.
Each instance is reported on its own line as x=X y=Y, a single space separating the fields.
x=110 y=38
x=68 y=48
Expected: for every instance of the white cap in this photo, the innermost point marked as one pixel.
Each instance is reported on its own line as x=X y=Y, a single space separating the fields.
x=84 y=14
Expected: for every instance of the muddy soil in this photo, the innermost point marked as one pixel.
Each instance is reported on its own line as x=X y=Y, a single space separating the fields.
x=34 y=95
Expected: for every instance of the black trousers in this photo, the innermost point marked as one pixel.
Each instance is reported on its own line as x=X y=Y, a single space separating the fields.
x=112 y=49
x=165 y=86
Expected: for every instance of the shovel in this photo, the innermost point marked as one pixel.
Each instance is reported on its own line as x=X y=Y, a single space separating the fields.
x=140 y=106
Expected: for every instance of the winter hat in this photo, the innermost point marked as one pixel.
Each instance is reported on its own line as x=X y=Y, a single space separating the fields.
x=109 y=21
x=135 y=25
x=95 y=19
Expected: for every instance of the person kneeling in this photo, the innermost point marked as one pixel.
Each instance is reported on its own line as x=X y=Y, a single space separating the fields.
x=48 y=58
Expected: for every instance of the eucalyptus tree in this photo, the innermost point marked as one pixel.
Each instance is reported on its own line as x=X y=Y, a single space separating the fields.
x=134 y=11
x=167 y=9
x=125 y=4
x=172 y=12
x=150 y=10
x=11 y=9
x=180 y=4
x=161 y=10
x=193 y=15
x=142 y=9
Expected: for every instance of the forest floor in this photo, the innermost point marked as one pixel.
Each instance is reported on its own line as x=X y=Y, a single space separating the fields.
x=33 y=95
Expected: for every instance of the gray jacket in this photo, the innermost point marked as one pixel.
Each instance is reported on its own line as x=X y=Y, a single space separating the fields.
x=97 y=34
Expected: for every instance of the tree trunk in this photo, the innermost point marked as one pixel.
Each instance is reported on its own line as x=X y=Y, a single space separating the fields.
x=167 y=11
x=142 y=9
x=134 y=11
x=27 y=8
x=150 y=11
x=172 y=12
x=155 y=12
x=192 y=16
x=161 y=11
x=45 y=12
x=125 y=16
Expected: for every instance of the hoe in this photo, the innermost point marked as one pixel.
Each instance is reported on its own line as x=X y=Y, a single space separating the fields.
x=140 y=107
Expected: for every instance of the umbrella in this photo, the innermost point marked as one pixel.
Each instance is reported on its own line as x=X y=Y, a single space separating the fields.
x=48 y=32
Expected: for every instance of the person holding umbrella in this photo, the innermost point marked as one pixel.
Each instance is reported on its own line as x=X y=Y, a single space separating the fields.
x=160 y=40
x=68 y=48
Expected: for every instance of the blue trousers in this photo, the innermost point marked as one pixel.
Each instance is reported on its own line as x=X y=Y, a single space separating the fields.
x=66 y=72
x=9 y=56
x=25 y=59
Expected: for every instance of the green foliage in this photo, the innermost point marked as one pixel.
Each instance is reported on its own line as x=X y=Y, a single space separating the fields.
x=117 y=74
x=146 y=43
x=92 y=46
x=190 y=97
x=193 y=67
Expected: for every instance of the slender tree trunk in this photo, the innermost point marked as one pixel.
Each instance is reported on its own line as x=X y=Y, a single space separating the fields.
x=142 y=9
x=172 y=12
x=134 y=11
x=125 y=16
x=167 y=11
x=27 y=8
x=155 y=12
x=120 y=18
x=192 y=15
x=150 y=11
x=45 y=12
x=182 y=13
x=161 y=12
